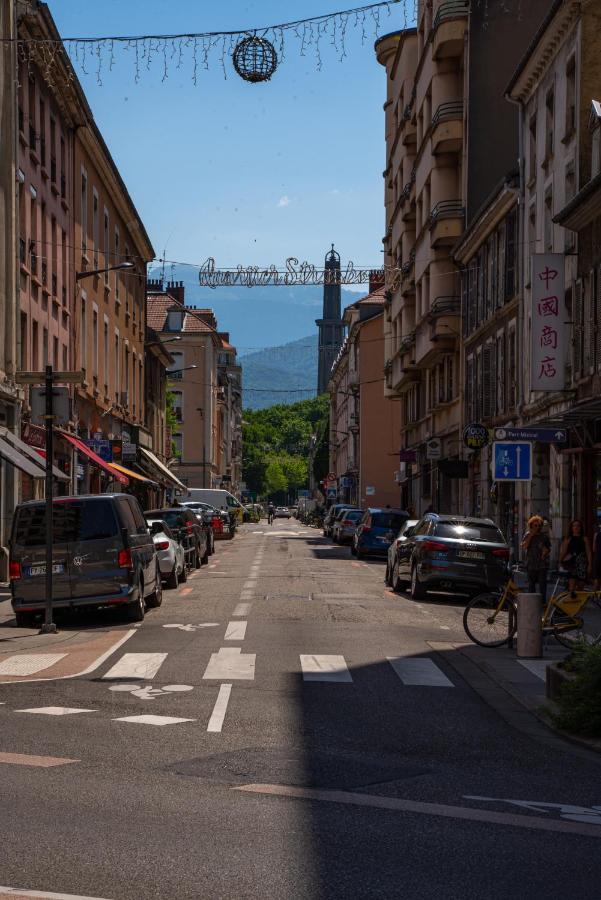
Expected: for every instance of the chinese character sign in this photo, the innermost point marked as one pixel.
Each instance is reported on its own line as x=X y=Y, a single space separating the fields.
x=549 y=335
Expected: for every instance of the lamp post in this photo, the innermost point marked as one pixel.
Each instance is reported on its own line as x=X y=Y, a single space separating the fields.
x=118 y=268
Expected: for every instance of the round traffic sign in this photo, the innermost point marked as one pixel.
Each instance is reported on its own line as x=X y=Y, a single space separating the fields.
x=475 y=436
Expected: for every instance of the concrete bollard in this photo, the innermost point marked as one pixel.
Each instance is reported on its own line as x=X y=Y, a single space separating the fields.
x=530 y=634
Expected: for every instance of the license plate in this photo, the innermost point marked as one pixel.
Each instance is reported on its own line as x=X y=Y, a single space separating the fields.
x=470 y=554
x=57 y=569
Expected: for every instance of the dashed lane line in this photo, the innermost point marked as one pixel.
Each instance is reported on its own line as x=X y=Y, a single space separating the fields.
x=137 y=665
x=219 y=710
x=236 y=631
x=242 y=609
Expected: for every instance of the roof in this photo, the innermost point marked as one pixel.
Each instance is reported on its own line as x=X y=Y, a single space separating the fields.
x=523 y=63
x=378 y=296
x=157 y=307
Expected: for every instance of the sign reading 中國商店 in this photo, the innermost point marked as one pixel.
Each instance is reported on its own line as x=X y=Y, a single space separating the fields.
x=549 y=344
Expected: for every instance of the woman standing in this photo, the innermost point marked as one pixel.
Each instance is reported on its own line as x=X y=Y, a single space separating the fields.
x=575 y=555
x=538 y=549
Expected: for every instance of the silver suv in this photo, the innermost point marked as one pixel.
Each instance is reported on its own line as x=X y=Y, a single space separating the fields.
x=103 y=555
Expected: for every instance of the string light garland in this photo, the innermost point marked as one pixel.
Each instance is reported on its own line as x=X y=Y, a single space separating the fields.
x=255 y=54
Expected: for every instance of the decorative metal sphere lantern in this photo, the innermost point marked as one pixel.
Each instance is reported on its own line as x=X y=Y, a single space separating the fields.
x=255 y=59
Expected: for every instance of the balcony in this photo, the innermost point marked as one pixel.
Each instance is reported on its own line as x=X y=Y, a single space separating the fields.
x=444 y=324
x=446 y=223
x=403 y=376
x=406 y=342
x=447 y=128
x=44 y=273
x=448 y=29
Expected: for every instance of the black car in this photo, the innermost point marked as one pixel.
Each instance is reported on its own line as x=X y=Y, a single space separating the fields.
x=453 y=553
x=193 y=532
x=103 y=555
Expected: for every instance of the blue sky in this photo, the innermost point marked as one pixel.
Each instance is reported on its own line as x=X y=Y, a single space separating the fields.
x=244 y=173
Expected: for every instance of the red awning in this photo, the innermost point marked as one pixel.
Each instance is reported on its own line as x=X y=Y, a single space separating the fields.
x=83 y=448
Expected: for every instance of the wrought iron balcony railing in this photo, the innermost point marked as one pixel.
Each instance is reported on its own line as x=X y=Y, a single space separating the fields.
x=451 y=9
x=446 y=209
x=447 y=111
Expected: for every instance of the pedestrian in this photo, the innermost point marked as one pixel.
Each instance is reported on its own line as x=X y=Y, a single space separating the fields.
x=575 y=555
x=537 y=547
x=270 y=513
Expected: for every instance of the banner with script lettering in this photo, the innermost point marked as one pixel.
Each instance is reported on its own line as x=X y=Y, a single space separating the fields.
x=549 y=335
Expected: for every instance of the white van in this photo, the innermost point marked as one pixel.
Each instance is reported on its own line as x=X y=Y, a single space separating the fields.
x=218 y=498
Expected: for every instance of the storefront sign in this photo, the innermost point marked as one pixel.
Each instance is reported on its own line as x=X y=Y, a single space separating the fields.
x=549 y=345
x=475 y=436
x=102 y=449
x=433 y=448
x=129 y=452
x=33 y=435
x=116 y=449
x=408 y=456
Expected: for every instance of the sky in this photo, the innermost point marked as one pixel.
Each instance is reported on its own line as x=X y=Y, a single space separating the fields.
x=244 y=173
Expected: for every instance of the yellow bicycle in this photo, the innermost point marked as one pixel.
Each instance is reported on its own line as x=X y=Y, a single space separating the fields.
x=490 y=619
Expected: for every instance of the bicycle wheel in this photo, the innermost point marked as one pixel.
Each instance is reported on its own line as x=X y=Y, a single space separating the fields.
x=588 y=631
x=490 y=621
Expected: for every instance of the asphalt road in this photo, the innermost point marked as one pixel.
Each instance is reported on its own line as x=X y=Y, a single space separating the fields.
x=323 y=750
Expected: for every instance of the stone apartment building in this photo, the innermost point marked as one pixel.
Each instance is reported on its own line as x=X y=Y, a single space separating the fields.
x=205 y=384
x=364 y=425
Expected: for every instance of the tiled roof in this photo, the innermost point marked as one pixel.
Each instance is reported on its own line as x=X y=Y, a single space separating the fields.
x=376 y=297
x=157 y=306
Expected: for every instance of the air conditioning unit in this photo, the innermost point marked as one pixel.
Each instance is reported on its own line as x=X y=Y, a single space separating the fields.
x=124 y=398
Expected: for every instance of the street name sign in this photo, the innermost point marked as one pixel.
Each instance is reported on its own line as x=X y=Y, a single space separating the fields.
x=512 y=461
x=542 y=435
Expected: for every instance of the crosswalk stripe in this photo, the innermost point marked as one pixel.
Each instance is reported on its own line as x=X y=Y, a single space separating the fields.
x=137 y=665
x=235 y=631
x=419 y=671
x=325 y=668
x=29 y=663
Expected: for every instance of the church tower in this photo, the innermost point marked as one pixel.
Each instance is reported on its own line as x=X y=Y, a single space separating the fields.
x=331 y=327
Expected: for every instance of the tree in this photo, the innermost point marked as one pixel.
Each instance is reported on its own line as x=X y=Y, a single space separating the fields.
x=275 y=481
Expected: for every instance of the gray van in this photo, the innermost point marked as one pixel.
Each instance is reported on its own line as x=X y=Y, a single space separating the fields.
x=103 y=555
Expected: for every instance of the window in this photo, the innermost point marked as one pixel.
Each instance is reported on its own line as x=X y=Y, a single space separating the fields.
x=570 y=124
x=570 y=193
x=106 y=248
x=55 y=359
x=63 y=170
x=105 y=348
x=117 y=367
x=178 y=364
x=178 y=441
x=501 y=373
x=95 y=227
x=469 y=531
x=511 y=372
x=52 y=150
x=532 y=148
x=126 y=372
x=549 y=124
x=510 y=255
x=42 y=132
x=141 y=387
x=95 y=342
x=65 y=359
x=531 y=248
x=24 y=354
x=84 y=334
x=491 y=256
x=35 y=350
x=133 y=383
x=64 y=264
x=117 y=259
x=33 y=240
x=84 y=214
x=45 y=359
x=548 y=221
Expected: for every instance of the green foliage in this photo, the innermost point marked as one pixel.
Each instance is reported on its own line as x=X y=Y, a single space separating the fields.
x=171 y=419
x=277 y=444
x=580 y=698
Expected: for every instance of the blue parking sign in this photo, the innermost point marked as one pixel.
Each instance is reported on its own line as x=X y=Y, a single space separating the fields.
x=512 y=461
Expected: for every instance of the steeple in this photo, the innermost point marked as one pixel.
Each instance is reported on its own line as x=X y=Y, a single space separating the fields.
x=331 y=327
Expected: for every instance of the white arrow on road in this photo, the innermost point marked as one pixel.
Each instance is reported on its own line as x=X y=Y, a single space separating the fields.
x=193 y=627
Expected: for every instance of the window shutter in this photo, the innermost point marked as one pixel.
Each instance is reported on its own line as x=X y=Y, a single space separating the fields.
x=588 y=339
x=501 y=373
x=488 y=381
x=577 y=322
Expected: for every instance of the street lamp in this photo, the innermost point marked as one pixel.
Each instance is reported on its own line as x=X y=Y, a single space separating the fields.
x=160 y=343
x=169 y=372
x=117 y=268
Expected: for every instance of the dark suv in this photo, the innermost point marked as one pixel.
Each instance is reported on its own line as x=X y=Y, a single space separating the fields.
x=453 y=553
x=103 y=555
x=194 y=533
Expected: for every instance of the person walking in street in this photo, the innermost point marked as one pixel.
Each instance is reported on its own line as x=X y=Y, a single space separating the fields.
x=270 y=513
x=537 y=547
x=575 y=555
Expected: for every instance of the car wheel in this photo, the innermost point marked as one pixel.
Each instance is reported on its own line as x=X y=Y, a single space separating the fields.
x=417 y=591
x=205 y=559
x=24 y=619
x=353 y=550
x=196 y=558
x=387 y=574
x=156 y=598
x=172 y=580
x=137 y=610
x=183 y=575
x=396 y=580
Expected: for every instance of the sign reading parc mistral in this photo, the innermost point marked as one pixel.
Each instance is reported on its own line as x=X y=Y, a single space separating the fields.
x=512 y=461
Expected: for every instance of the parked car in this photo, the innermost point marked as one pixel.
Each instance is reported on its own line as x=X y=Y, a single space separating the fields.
x=103 y=555
x=220 y=520
x=282 y=512
x=170 y=553
x=221 y=500
x=345 y=525
x=392 y=573
x=330 y=516
x=453 y=553
x=189 y=529
x=376 y=531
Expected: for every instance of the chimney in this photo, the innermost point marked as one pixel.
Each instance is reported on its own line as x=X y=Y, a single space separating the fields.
x=376 y=279
x=154 y=285
x=176 y=290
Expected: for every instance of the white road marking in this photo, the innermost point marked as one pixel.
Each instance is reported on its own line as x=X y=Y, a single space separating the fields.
x=220 y=708
x=247 y=595
x=137 y=665
x=193 y=627
x=148 y=692
x=56 y=710
x=29 y=663
x=231 y=664
x=24 y=894
x=419 y=671
x=26 y=759
x=537 y=667
x=153 y=720
x=235 y=631
x=242 y=609
x=325 y=668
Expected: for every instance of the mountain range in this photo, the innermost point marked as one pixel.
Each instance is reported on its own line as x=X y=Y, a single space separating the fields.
x=258 y=317
x=278 y=374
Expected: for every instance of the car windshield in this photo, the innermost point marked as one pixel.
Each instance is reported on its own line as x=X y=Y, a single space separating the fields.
x=389 y=520
x=354 y=515
x=72 y=520
x=469 y=531
x=175 y=518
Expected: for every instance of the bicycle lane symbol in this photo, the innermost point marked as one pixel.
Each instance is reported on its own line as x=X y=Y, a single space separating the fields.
x=148 y=692
x=588 y=814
